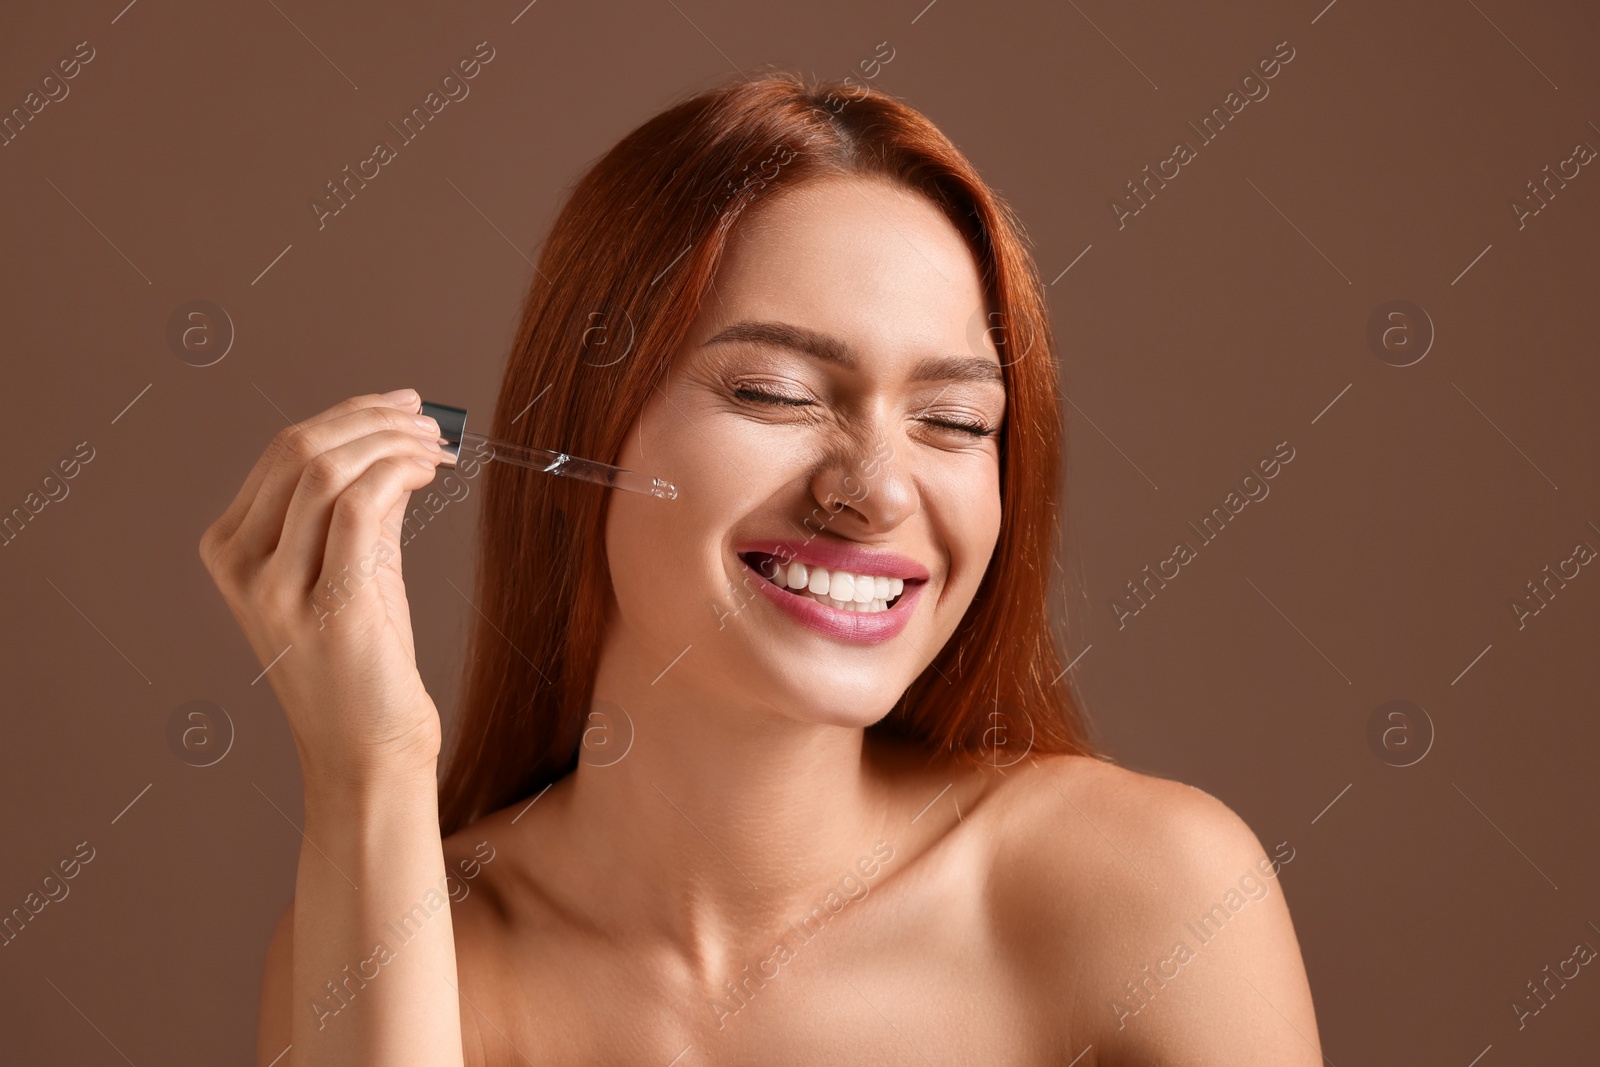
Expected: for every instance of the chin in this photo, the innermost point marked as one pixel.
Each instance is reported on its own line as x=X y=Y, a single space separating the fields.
x=854 y=717
x=791 y=688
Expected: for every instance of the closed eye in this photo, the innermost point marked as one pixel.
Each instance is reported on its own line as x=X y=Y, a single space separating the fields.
x=975 y=429
x=746 y=393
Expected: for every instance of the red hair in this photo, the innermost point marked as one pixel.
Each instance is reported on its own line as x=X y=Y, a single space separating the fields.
x=633 y=251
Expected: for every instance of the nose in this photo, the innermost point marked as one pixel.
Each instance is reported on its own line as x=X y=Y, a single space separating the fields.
x=865 y=488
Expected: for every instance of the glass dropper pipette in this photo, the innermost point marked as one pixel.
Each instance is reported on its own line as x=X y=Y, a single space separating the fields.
x=454 y=436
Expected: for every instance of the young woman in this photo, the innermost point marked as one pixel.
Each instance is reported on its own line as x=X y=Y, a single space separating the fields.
x=784 y=770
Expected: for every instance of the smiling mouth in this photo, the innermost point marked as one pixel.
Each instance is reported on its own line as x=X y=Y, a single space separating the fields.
x=840 y=590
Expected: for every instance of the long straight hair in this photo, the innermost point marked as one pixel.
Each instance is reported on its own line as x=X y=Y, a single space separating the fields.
x=619 y=282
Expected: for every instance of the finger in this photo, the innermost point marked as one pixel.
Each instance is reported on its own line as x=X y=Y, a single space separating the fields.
x=355 y=525
x=258 y=534
x=233 y=516
x=297 y=559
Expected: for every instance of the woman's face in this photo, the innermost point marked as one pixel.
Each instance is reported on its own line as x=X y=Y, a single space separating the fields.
x=832 y=425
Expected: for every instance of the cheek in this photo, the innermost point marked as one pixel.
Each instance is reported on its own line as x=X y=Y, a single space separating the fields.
x=970 y=518
x=678 y=440
x=665 y=555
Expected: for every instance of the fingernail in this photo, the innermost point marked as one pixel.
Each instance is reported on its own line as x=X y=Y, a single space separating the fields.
x=426 y=463
x=426 y=423
x=401 y=396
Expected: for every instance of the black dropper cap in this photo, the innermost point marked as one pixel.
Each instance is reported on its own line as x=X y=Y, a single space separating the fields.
x=452 y=425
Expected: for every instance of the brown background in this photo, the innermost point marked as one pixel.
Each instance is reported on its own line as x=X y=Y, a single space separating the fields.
x=1225 y=318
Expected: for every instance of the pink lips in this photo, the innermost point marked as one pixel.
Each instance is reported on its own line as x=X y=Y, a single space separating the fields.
x=854 y=626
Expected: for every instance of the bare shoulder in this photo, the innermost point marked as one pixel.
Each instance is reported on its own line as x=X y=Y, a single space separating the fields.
x=1140 y=821
x=1154 y=911
x=498 y=868
x=1084 y=841
x=477 y=866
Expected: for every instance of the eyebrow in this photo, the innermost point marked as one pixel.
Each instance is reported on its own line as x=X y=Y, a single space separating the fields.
x=831 y=349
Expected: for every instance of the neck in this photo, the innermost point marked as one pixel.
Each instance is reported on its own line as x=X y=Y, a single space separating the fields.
x=714 y=826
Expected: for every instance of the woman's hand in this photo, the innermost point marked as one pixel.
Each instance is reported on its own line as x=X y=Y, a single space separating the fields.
x=308 y=558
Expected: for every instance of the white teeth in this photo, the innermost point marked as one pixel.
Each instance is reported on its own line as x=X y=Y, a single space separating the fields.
x=819 y=581
x=867 y=607
x=840 y=590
